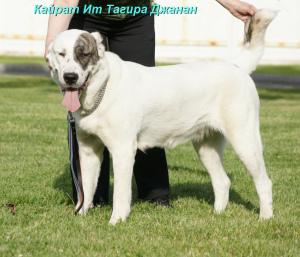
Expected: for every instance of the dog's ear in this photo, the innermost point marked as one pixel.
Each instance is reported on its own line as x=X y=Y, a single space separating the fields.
x=99 y=40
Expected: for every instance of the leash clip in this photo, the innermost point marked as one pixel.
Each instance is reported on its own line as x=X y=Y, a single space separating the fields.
x=70 y=117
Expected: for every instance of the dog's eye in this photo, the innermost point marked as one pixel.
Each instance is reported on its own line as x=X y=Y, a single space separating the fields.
x=86 y=54
x=62 y=54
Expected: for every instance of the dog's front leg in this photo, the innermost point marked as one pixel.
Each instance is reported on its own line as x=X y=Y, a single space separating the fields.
x=123 y=160
x=91 y=157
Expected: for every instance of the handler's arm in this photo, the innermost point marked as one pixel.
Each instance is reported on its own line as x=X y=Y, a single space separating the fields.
x=239 y=9
x=59 y=23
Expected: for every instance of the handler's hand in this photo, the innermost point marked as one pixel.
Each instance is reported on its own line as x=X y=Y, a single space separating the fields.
x=238 y=9
x=46 y=59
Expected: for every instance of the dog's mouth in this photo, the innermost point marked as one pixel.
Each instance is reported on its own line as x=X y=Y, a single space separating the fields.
x=71 y=98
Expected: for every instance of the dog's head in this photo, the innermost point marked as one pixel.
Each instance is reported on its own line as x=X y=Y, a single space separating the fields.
x=73 y=57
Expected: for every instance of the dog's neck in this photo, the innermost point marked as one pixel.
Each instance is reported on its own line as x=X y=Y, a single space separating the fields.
x=97 y=82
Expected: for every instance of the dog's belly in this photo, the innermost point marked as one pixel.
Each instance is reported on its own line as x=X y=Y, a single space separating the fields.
x=171 y=136
x=177 y=118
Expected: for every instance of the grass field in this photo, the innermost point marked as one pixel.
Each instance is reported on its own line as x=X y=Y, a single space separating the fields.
x=22 y=60
x=35 y=176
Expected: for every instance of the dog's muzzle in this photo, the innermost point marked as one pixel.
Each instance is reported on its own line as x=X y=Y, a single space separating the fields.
x=71 y=98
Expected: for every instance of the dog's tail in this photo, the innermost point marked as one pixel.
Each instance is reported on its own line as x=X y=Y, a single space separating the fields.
x=254 y=40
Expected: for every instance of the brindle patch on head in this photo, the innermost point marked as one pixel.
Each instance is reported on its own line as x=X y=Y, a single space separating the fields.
x=85 y=50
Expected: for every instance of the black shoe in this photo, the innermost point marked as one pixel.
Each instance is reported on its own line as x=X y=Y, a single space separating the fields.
x=162 y=201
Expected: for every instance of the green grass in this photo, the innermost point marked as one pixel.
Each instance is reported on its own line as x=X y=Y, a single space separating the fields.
x=293 y=70
x=261 y=69
x=22 y=60
x=35 y=176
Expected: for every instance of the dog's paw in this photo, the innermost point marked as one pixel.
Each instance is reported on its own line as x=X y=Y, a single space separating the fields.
x=114 y=219
x=84 y=209
x=219 y=210
x=266 y=214
x=220 y=206
x=80 y=212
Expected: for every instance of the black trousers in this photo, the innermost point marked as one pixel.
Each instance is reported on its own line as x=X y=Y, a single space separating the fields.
x=133 y=40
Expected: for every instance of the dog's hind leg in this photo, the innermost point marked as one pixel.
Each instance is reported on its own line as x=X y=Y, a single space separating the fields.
x=246 y=142
x=123 y=160
x=210 y=152
x=91 y=157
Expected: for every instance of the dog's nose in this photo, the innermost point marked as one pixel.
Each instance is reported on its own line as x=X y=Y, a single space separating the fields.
x=70 y=77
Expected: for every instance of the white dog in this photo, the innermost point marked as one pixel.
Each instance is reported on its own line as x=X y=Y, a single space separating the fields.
x=125 y=106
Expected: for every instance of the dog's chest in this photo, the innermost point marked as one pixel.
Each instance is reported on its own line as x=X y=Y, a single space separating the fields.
x=90 y=126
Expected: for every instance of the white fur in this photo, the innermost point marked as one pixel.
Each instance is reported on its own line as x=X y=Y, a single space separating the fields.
x=165 y=106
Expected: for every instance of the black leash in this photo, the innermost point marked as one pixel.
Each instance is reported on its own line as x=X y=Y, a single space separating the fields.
x=73 y=150
x=12 y=205
x=74 y=156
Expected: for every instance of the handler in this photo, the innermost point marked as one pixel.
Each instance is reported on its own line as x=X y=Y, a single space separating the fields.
x=133 y=39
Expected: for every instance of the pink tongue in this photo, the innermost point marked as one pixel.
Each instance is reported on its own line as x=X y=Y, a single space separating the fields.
x=71 y=100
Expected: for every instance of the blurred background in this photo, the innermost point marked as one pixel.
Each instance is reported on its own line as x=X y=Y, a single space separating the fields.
x=211 y=34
